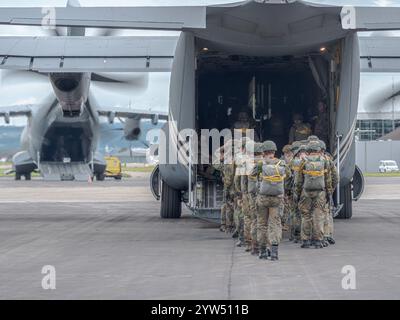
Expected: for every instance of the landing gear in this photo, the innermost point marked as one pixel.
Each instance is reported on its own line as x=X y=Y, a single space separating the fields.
x=347 y=201
x=100 y=176
x=18 y=176
x=171 y=207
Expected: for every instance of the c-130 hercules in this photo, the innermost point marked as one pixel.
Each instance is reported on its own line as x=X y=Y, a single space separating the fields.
x=293 y=52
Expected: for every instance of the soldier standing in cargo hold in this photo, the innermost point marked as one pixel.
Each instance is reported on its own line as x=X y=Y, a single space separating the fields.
x=300 y=130
x=272 y=173
x=312 y=186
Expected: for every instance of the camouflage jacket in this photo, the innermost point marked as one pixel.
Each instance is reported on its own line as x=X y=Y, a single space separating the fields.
x=327 y=176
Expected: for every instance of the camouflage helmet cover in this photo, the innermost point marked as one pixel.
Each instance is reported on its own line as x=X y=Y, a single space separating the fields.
x=269 y=146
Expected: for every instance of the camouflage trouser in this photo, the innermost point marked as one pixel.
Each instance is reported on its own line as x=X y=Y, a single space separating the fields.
x=227 y=211
x=246 y=218
x=312 y=206
x=253 y=215
x=238 y=216
x=269 y=226
x=288 y=207
x=295 y=221
x=328 y=222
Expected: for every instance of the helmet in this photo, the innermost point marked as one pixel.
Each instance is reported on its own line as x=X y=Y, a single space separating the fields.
x=287 y=148
x=269 y=146
x=314 y=146
x=322 y=145
x=312 y=138
x=295 y=146
x=258 y=147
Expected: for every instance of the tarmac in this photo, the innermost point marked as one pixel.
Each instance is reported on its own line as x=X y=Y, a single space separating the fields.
x=106 y=240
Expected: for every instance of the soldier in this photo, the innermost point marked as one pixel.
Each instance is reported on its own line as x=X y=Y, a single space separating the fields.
x=287 y=156
x=299 y=151
x=240 y=198
x=250 y=227
x=272 y=173
x=300 y=130
x=321 y=122
x=312 y=187
x=332 y=171
x=227 y=169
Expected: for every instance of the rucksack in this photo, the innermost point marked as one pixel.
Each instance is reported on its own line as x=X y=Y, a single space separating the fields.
x=273 y=177
x=314 y=173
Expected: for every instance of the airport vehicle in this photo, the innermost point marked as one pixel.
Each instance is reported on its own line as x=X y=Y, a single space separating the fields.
x=279 y=57
x=113 y=168
x=388 y=166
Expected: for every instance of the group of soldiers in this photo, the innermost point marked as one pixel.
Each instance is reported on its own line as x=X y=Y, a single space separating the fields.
x=266 y=197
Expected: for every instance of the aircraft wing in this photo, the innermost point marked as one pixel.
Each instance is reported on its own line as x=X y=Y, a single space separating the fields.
x=118 y=112
x=160 y=18
x=380 y=54
x=15 y=111
x=87 y=54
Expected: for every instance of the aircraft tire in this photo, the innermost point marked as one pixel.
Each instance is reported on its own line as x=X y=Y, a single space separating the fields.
x=17 y=176
x=347 y=200
x=100 y=177
x=171 y=207
x=28 y=176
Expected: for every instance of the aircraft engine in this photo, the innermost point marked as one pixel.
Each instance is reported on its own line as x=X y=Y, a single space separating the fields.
x=132 y=129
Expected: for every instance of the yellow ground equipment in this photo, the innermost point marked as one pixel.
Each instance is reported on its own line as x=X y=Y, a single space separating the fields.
x=113 y=168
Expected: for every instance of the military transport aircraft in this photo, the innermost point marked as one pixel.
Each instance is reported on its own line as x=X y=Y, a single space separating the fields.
x=291 y=54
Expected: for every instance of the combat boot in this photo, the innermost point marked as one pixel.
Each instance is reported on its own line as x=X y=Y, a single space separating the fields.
x=222 y=228
x=318 y=244
x=254 y=248
x=274 y=253
x=330 y=240
x=240 y=243
x=248 y=246
x=235 y=234
x=306 y=244
x=263 y=254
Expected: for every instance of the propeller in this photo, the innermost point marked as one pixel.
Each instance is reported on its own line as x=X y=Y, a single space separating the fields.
x=377 y=100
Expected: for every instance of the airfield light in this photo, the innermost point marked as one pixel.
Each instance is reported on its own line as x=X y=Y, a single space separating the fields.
x=205 y=49
x=323 y=49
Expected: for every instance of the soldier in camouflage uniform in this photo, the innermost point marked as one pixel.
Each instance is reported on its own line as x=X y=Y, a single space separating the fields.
x=299 y=151
x=250 y=226
x=272 y=173
x=240 y=198
x=312 y=186
x=300 y=130
x=287 y=156
x=332 y=170
x=227 y=169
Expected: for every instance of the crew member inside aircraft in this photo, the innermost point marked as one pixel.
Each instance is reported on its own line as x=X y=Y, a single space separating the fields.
x=321 y=122
x=300 y=130
x=244 y=122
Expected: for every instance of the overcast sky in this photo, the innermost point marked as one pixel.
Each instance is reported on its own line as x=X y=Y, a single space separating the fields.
x=19 y=88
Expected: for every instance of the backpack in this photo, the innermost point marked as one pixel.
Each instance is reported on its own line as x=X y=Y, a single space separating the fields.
x=273 y=177
x=314 y=174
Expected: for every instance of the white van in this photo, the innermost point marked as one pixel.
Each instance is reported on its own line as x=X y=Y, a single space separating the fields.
x=388 y=166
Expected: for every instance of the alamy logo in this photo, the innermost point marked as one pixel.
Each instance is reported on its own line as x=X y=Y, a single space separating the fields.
x=49 y=280
x=348 y=16
x=349 y=280
x=49 y=18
